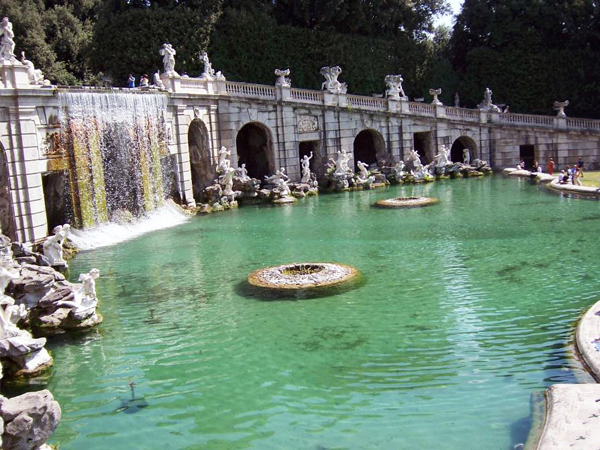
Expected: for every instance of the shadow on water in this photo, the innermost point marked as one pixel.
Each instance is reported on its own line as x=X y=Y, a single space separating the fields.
x=133 y=404
x=246 y=290
x=519 y=431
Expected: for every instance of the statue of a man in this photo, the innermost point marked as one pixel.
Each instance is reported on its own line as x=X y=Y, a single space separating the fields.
x=7 y=44
x=466 y=156
x=242 y=173
x=168 y=53
x=306 y=168
x=53 y=247
x=209 y=72
x=224 y=162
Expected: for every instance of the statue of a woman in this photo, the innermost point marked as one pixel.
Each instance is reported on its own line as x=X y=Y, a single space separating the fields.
x=7 y=44
x=168 y=53
x=306 y=168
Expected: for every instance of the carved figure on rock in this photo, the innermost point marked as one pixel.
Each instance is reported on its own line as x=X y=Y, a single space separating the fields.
x=466 y=156
x=85 y=300
x=209 y=72
x=331 y=83
x=306 y=168
x=442 y=159
x=394 y=87
x=168 y=53
x=279 y=175
x=363 y=175
x=228 y=181
x=7 y=43
x=36 y=76
x=415 y=159
x=283 y=188
x=282 y=80
x=242 y=173
x=341 y=164
x=53 y=247
x=223 y=163
x=398 y=169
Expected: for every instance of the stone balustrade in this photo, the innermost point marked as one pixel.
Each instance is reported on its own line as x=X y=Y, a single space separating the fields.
x=360 y=102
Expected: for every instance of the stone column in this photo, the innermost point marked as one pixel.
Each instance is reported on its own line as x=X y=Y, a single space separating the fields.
x=183 y=170
x=25 y=175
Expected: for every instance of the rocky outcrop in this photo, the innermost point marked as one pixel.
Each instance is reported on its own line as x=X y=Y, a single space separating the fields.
x=27 y=421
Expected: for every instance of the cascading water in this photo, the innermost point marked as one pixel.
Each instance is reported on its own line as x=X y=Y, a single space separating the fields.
x=114 y=142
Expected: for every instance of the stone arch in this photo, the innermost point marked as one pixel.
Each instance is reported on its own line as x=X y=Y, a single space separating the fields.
x=7 y=219
x=254 y=144
x=369 y=147
x=203 y=170
x=458 y=146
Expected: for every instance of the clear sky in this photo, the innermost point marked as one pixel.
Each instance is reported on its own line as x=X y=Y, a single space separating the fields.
x=449 y=19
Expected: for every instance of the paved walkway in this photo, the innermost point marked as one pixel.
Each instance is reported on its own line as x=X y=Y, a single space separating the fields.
x=573 y=410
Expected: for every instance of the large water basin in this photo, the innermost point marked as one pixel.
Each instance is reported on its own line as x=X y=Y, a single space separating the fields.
x=465 y=309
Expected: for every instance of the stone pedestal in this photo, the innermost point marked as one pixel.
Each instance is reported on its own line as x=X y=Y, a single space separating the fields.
x=14 y=75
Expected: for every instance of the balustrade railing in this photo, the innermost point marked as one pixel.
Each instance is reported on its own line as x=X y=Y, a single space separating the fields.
x=306 y=95
x=462 y=113
x=251 y=90
x=424 y=109
x=586 y=124
x=360 y=101
x=527 y=119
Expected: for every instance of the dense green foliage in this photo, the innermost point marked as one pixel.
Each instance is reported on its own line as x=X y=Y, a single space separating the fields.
x=529 y=52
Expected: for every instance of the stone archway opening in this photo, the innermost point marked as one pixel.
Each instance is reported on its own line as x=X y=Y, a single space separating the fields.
x=7 y=220
x=527 y=155
x=457 y=151
x=203 y=170
x=422 y=144
x=316 y=163
x=255 y=149
x=369 y=147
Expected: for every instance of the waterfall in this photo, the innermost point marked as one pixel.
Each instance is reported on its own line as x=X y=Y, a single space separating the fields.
x=115 y=143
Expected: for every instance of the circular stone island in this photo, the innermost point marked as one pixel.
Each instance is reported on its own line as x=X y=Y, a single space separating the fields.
x=302 y=276
x=407 y=202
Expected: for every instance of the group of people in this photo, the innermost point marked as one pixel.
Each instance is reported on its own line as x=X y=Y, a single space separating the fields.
x=144 y=81
x=571 y=175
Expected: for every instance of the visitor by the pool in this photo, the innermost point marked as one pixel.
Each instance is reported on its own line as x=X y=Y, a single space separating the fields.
x=144 y=81
x=536 y=167
x=131 y=81
x=563 y=177
x=580 y=162
x=578 y=176
x=551 y=166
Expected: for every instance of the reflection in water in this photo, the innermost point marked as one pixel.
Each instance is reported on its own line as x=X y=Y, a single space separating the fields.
x=460 y=317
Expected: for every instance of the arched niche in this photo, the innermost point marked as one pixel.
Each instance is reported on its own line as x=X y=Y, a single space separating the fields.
x=254 y=145
x=203 y=170
x=369 y=147
x=7 y=220
x=458 y=147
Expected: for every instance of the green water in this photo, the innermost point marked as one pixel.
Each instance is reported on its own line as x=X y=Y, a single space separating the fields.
x=466 y=309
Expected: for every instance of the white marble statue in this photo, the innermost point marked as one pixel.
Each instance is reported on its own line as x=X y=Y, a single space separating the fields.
x=7 y=43
x=168 y=53
x=282 y=79
x=209 y=72
x=398 y=169
x=283 y=188
x=157 y=81
x=5 y=276
x=442 y=159
x=457 y=100
x=223 y=163
x=413 y=156
x=10 y=315
x=36 y=77
x=85 y=300
x=341 y=163
x=331 y=83
x=466 y=156
x=279 y=175
x=487 y=104
x=363 y=171
x=306 y=168
x=242 y=173
x=228 y=181
x=394 y=87
x=560 y=107
x=53 y=246
x=435 y=93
